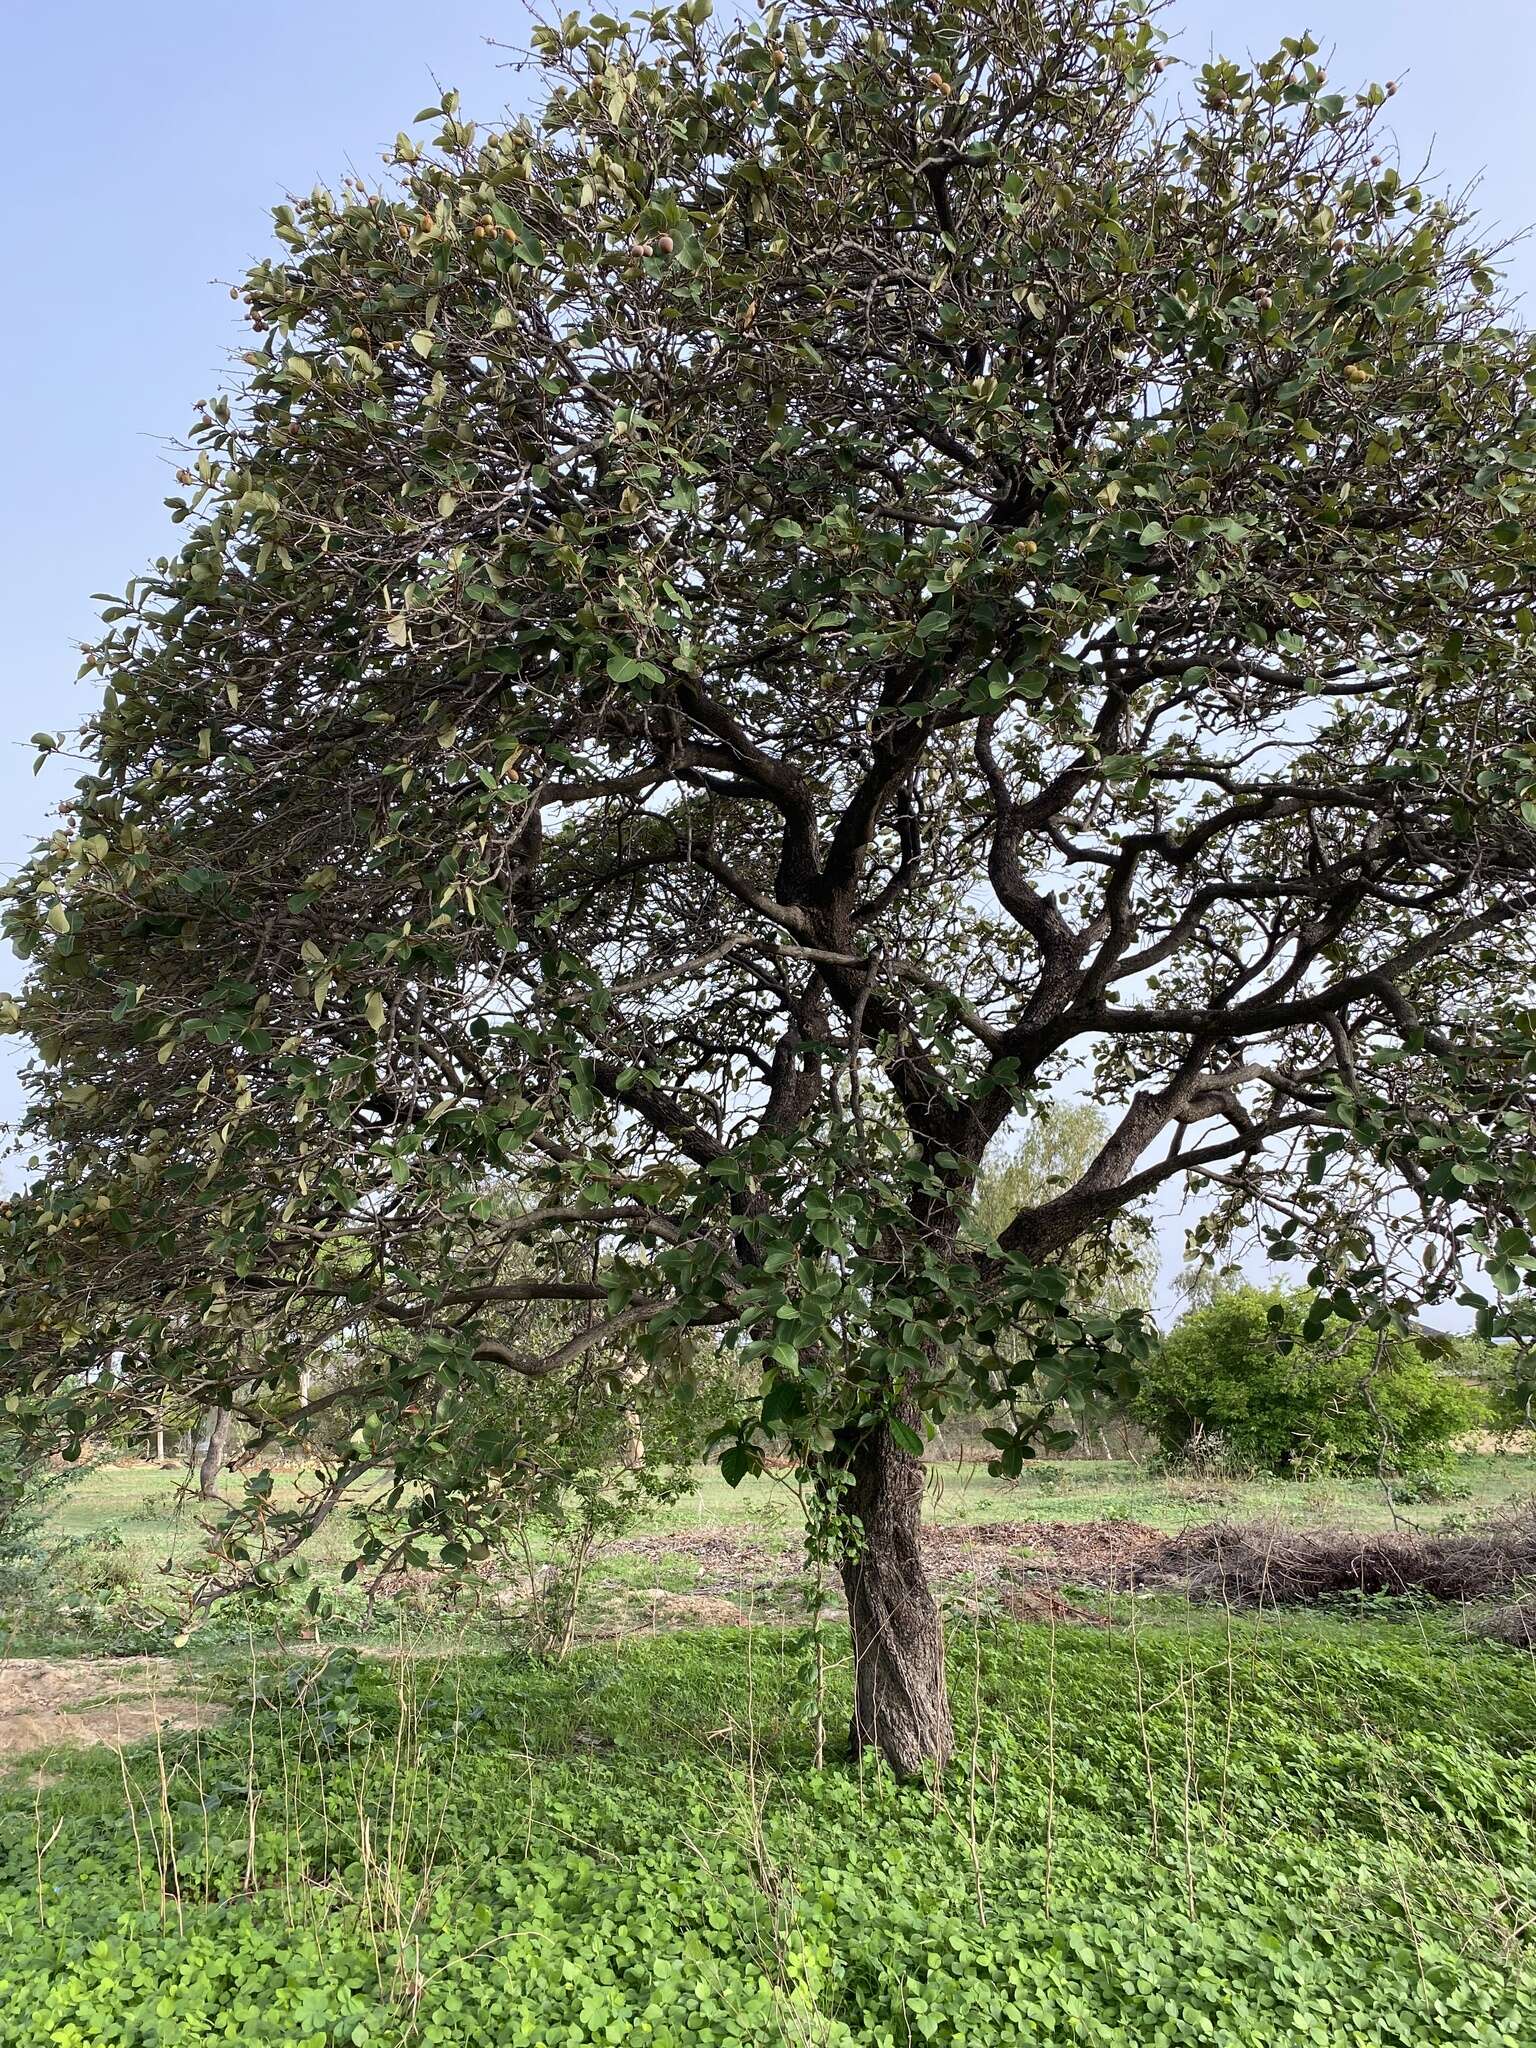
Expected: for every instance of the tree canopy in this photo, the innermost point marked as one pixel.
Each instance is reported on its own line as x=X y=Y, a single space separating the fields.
x=735 y=635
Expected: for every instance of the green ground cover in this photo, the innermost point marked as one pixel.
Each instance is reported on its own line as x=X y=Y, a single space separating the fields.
x=1247 y=1833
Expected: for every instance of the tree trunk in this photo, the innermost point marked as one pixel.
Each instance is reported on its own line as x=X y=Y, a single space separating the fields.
x=214 y=1447
x=632 y=1453
x=901 y=1704
x=632 y=1435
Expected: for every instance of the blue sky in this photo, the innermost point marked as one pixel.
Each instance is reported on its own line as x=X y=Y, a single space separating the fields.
x=148 y=142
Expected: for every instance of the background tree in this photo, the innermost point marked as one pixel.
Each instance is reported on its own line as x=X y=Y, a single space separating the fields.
x=731 y=638
x=211 y=1449
x=1501 y=1375
x=1109 y=1270
x=1200 y=1281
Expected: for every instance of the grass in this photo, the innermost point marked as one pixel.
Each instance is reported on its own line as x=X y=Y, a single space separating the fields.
x=960 y=1491
x=1233 y=1832
x=148 y=1507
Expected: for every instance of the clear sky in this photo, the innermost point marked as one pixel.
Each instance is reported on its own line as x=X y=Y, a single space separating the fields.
x=149 y=140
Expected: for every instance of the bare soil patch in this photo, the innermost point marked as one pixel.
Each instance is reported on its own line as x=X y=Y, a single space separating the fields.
x=1042 y=1604
x=1106 y=1554
x=1025 y=1559
x=689 y=1610
x=1246 y=1564
x=724 y=1561
x=80 y=1702
x=1097 y=1553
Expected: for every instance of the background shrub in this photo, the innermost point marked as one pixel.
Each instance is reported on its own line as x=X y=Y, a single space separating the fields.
x=1504 y=1376
x=1235 y=1378
x=30 y=1484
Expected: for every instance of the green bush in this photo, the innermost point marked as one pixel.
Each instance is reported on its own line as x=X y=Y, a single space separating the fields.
x=1237 y=1380
x=30 y=1484
x=1504 y=1376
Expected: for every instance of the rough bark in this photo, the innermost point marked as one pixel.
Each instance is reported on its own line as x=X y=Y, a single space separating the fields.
x=632 y=1455
x=215 y=1444
x=901 y=1703
x=632 y=1433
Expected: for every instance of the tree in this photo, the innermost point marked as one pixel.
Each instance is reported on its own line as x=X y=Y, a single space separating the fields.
x=1108 y=1271
x=1501 y=1376
x=1112 y=1268
x=1202 y=1281
x=211 y=1451
x=1237 y=1376
x=729 y=640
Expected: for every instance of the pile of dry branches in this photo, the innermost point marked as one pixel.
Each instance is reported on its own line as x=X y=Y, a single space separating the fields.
x=1515 y=1623
x=1267 y=1564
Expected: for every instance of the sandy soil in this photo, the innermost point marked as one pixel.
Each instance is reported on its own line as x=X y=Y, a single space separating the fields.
x=77 y=1702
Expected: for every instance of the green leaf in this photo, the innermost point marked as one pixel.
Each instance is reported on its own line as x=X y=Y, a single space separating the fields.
x=783 y=1400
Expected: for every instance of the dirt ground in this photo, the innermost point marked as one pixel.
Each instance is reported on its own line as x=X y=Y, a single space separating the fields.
x=1109 y=1554
x=77 y=1702
x=1106 y=1554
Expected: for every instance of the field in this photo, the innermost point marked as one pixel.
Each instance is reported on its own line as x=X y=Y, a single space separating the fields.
x=722 y=1553
x=140 y=1516
x=1166 y=1823
x=141 y=1501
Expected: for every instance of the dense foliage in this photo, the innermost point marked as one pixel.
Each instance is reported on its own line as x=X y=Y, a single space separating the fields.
x=1504 y=1376
x=1238 y=1380
x=30 y=1485
x=731 y=638
x=1238 y=1836
x=525 y=1454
